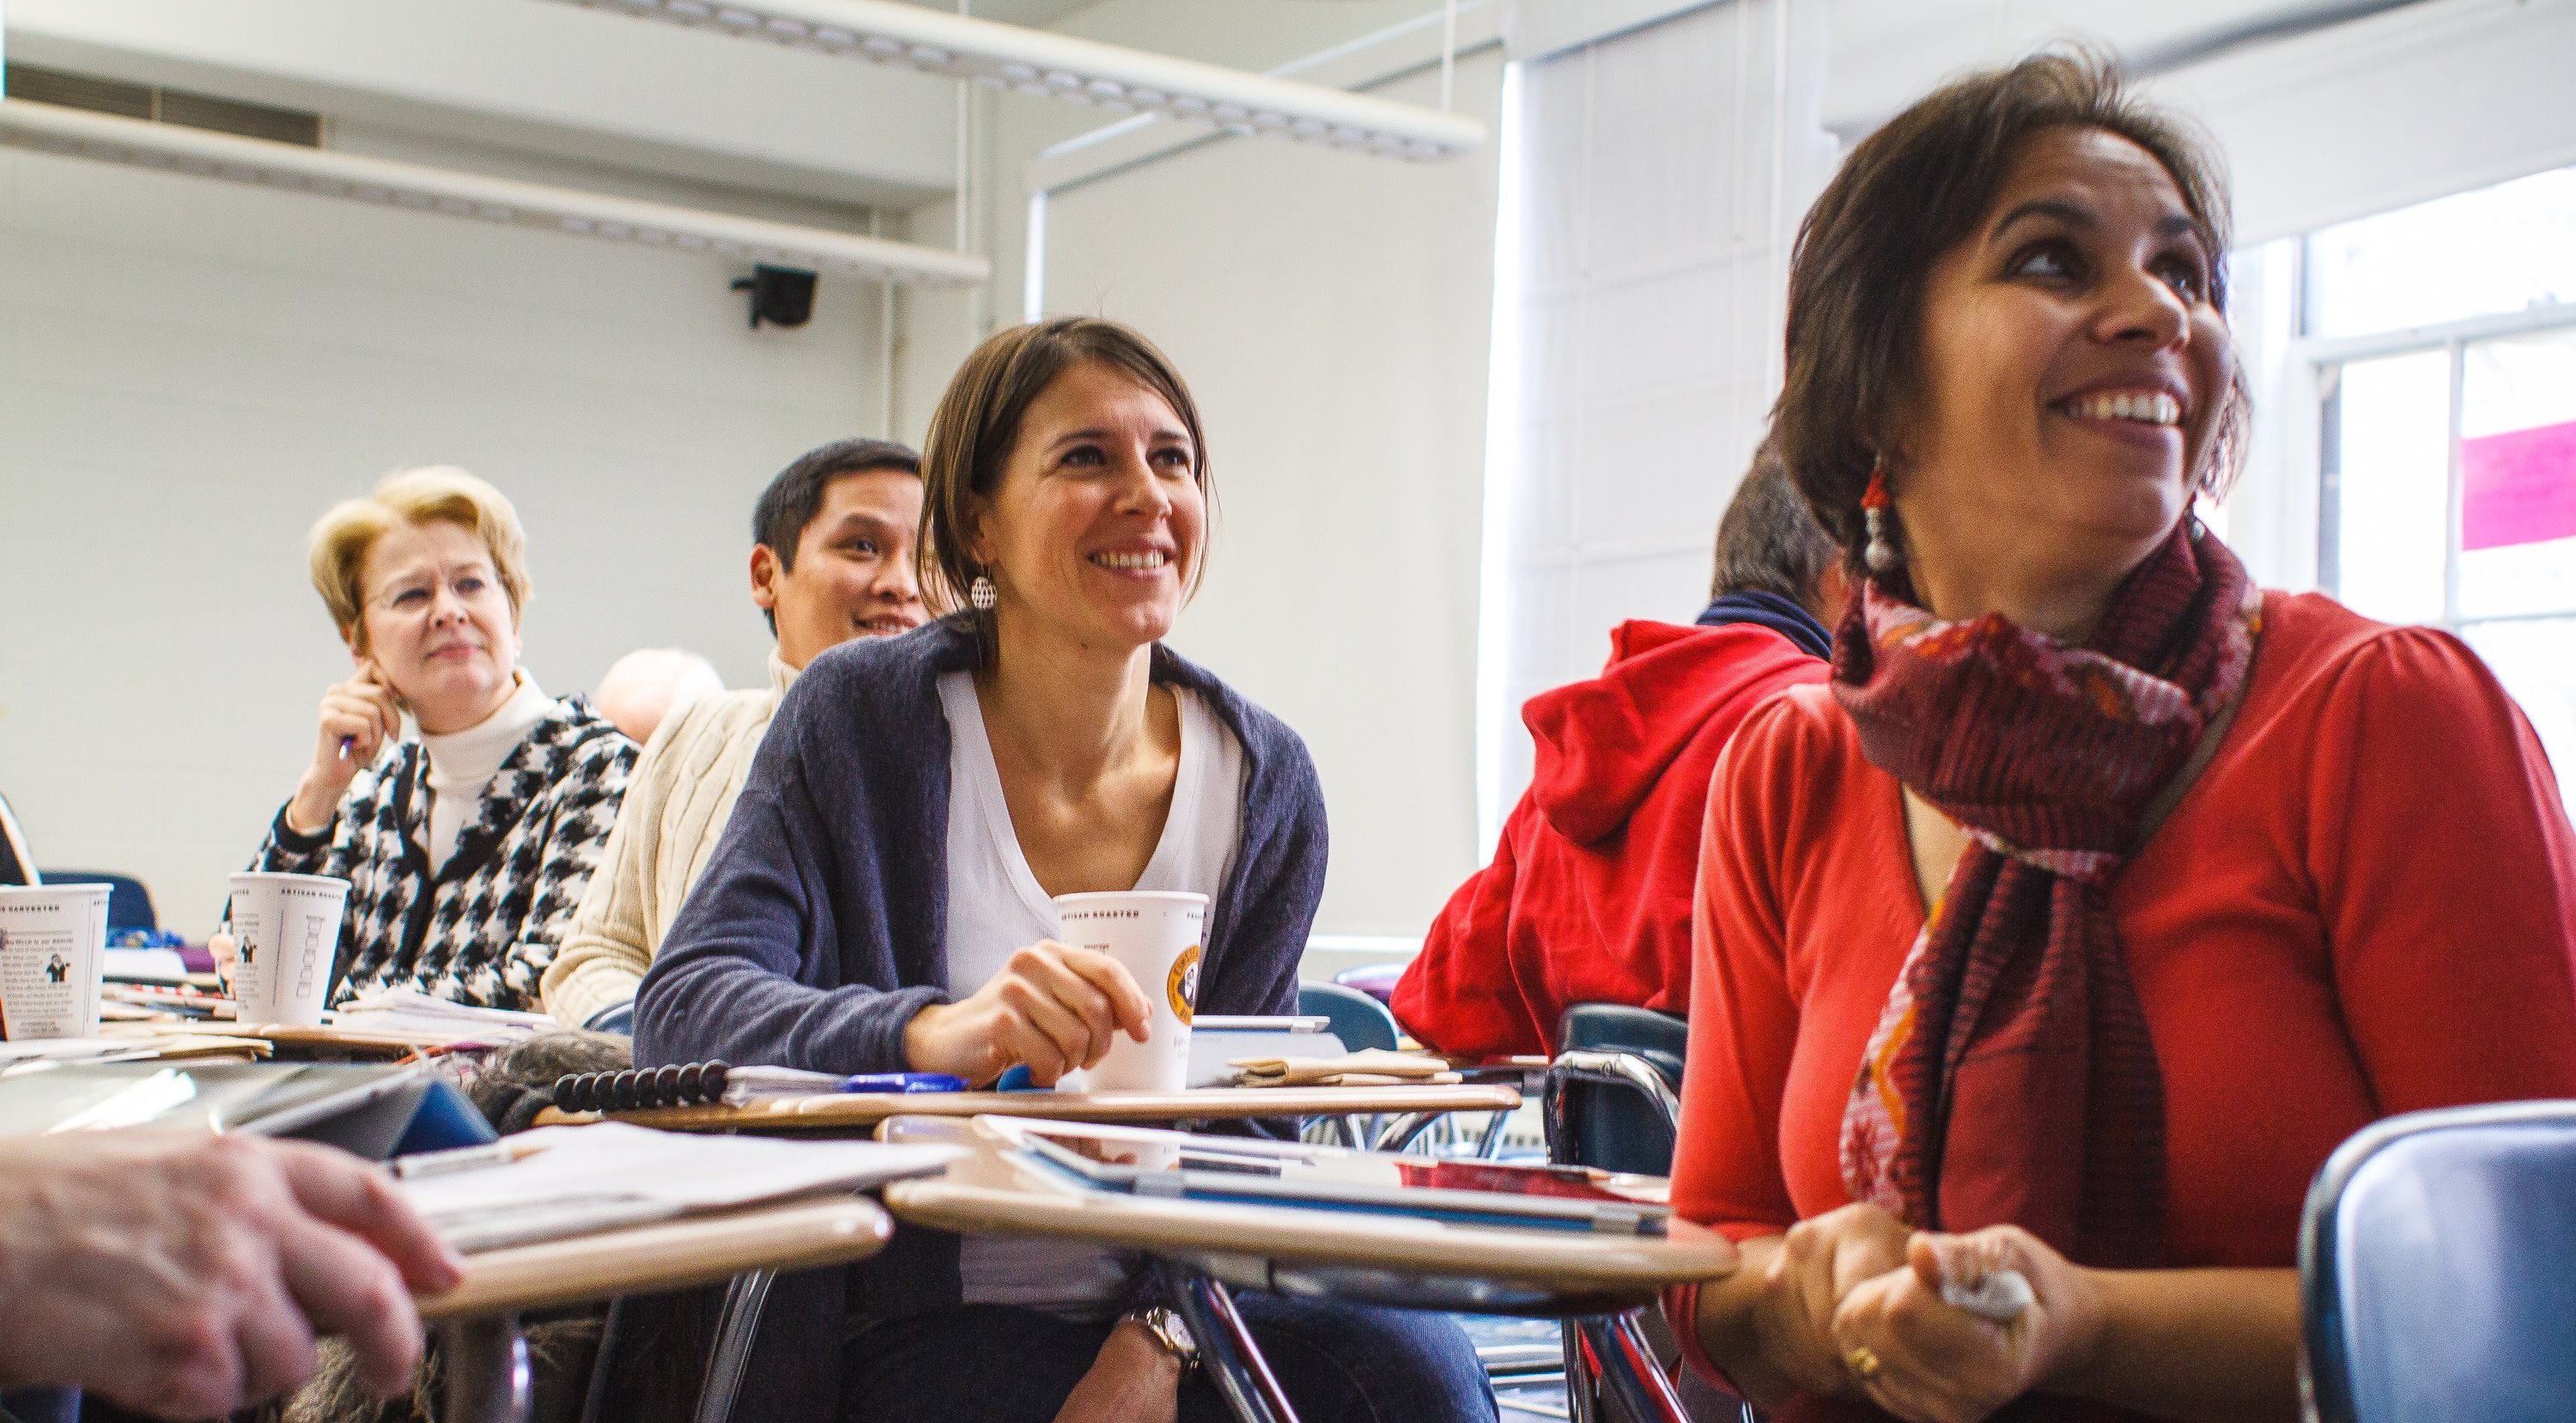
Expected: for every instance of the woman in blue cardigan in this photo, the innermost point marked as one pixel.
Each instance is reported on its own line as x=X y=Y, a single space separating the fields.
x=881 y=900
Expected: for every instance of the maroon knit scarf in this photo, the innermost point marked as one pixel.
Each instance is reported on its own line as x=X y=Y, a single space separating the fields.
x=2011 y=1078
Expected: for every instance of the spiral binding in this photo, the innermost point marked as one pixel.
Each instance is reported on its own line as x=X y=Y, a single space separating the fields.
x=680 y=1085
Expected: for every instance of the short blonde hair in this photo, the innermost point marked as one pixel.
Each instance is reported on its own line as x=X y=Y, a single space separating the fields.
x=337 y=548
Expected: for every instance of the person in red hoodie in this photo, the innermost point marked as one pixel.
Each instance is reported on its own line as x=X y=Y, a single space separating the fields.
x=1588 y=899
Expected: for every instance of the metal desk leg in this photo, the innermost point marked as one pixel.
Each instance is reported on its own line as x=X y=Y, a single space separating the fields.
x=1581 y=1398
x=1226 y=1349
x=487 y=1370
x=1491 y=1145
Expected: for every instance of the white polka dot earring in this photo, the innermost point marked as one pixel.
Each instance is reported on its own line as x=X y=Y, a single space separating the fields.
x=983 y=594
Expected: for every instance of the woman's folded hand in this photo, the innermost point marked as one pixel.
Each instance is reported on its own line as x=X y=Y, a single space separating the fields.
x=1929 y=1361
x=1819 y=1262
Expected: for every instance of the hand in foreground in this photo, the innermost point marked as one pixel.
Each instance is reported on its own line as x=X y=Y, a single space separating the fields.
x=1052 y=1007
x=1819 y=1262
x=358 y=717
x=1937 y=1363
x=1134 y=1380
x=186 y=1275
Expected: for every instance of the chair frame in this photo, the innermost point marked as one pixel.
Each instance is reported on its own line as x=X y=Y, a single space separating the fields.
x=2326 y=1388
x=1608 y=1358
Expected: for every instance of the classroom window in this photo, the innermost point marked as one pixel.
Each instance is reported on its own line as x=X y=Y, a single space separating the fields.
x=2444 y=336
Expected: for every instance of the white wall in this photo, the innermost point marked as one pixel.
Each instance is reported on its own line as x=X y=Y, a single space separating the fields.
x=190 y=371
x=1329 y=311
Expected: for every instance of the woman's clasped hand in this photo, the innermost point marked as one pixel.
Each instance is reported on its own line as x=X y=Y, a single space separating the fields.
x=1850 y=1304
x=1052 y=1007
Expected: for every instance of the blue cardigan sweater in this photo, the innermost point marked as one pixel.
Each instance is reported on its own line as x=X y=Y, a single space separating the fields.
x=820 y=927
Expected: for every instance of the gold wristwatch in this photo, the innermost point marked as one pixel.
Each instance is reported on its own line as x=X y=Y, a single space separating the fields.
x=1167 y=1330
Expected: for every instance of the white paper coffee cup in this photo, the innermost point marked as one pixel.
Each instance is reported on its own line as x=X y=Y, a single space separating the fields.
x=1157 y=935
x=286 y=941
x=53 y=959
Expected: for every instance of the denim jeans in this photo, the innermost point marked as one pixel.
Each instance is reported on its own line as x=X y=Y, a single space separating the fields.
x=1338 y=1363
x=40 y=1405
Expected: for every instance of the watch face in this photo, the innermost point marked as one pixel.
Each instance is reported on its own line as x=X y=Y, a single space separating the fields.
x=1169 y=1331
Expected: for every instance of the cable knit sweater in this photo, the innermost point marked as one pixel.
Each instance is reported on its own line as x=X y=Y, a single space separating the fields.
x=482 y=928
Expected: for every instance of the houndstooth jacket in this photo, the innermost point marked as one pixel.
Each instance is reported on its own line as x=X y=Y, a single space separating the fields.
x=484 y=928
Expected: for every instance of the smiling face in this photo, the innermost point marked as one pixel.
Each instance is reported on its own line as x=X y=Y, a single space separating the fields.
x=438 y=624
x=2074 y=368
x=853 y=572
x=1094 y=531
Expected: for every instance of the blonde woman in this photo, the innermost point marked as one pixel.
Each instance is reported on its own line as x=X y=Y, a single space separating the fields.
x=466 y=846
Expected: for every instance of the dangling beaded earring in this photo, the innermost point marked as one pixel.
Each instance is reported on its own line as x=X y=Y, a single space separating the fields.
x=1879 y=555
x=982 y=594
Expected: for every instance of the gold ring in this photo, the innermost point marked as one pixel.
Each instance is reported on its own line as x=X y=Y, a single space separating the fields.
x=1862 y=1361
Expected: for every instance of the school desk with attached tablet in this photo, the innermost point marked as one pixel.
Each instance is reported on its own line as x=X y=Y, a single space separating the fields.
x=1598 y=1272
x=1409 y=1109
x=488 y=1377
x=568 y=1215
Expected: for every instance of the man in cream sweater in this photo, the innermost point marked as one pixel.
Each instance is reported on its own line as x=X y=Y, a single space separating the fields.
x=831 y=560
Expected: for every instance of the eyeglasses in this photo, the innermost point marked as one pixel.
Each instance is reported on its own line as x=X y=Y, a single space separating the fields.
x=415 y=598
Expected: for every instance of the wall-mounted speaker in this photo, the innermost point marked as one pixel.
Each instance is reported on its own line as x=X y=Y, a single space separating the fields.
x=781 y=296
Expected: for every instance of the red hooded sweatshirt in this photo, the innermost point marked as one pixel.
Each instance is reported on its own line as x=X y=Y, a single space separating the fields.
x=1588 y=899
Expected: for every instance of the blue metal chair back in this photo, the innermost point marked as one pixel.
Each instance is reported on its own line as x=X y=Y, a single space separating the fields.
x=129 y=904
x=1616 y=1125
x=1361 y=1022
x=2437 y=1264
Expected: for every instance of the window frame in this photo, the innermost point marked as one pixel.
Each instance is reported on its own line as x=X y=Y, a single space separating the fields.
x=2324 y=358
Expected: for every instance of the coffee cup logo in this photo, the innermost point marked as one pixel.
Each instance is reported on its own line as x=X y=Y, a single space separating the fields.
x=1183 y=986
x=57 y=969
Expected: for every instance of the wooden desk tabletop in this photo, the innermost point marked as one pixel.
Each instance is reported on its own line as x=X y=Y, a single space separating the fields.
x=666 y=1255
x=975 y=1198
x=301 y=1039
x=847 y=1111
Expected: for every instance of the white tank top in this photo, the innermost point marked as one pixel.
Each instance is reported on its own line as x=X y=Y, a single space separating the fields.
x=996 y=908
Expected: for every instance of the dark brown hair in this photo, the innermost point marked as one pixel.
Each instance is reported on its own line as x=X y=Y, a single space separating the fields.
x=1906 y=195
x=1768 y=541
x=978 y=421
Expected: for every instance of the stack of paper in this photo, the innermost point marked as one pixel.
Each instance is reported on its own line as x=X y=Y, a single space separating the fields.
x=401 y=1012
x=576 y=1180
x=147 y=965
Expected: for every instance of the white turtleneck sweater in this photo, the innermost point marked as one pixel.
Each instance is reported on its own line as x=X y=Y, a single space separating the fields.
x=462 y=764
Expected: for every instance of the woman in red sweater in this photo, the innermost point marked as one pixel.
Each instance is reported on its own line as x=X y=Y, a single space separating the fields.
x=2099 y=894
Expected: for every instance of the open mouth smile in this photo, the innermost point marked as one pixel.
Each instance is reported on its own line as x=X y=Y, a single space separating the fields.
x=1148 y=561
x=2140 y=407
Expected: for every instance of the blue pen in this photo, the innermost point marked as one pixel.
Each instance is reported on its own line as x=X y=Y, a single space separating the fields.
x=903 y=1082
x=748 y=1084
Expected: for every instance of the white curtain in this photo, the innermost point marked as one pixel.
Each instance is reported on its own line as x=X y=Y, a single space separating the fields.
x=1656 y=179
x=1329 y=312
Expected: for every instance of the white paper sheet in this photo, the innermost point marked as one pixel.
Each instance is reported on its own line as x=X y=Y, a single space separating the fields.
x=591 y=1177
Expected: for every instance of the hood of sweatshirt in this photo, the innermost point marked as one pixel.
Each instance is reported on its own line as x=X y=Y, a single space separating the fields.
x=1604 y=743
